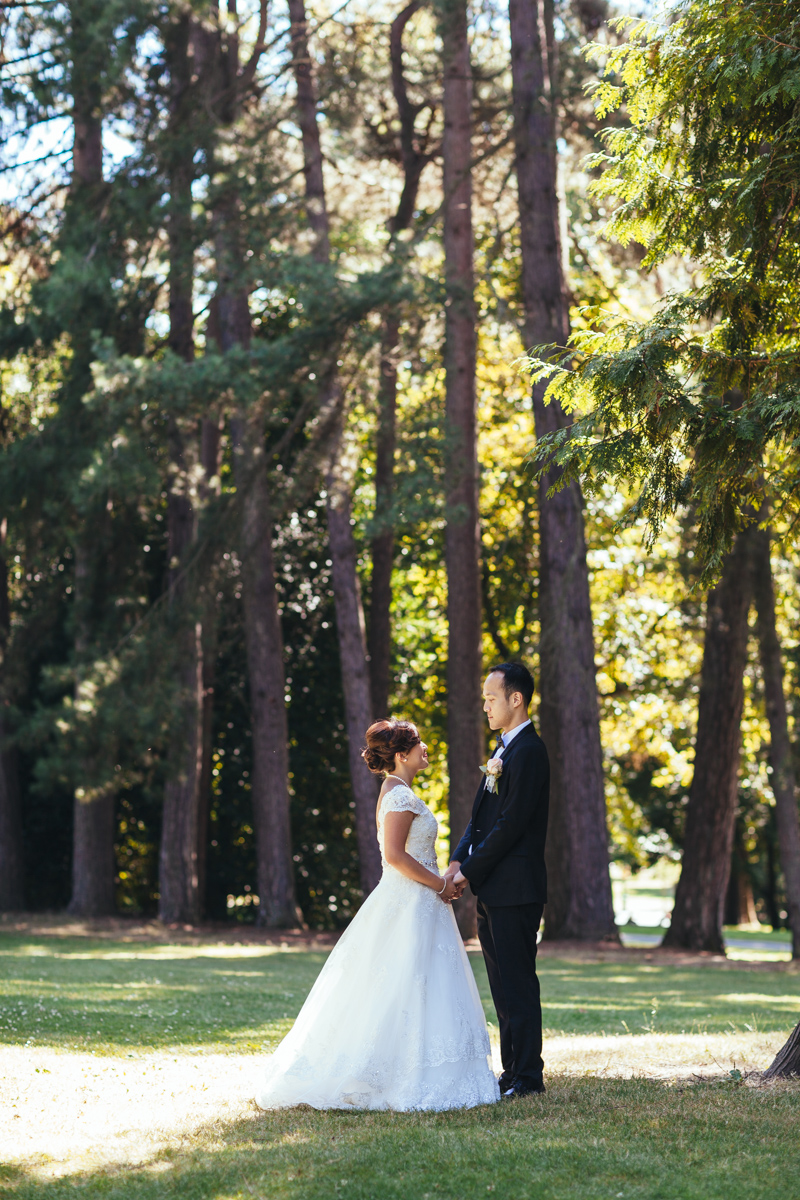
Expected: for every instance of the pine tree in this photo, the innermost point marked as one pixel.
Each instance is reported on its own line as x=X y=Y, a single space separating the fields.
x=338 y=480
x=465 y=727
x=579 y=885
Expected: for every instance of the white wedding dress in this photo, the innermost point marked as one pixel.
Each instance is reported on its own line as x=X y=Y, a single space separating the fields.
x=394 y=1020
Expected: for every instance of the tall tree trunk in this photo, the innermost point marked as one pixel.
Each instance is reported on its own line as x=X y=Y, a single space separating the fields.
x=740 y=906
x=579 y=887
x=465 y=733
x=263 y=636
x=93 y=828
x=93 y=825
x=267 y=680
x=179 y=883
x=210 y=457
x=414 y=158
x=12 y=869
x=710 y=815
x=346 y=589
x=352 y=653
x=784 y=787
x=382 y=546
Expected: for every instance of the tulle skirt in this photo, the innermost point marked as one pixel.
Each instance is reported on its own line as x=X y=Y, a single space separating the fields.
x=394 y=1020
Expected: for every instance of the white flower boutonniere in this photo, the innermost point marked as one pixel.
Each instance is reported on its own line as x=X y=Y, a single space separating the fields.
x=493 y=770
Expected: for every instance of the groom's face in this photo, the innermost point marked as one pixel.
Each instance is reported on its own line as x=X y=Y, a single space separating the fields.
x=496 y=705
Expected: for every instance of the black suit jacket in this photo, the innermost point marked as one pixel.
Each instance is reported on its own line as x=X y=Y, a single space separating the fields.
x=509 y=827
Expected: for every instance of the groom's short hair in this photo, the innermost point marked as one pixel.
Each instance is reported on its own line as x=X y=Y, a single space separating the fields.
x=516 y=678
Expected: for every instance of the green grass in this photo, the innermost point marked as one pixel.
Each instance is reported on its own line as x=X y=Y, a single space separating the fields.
x=112 y=997
x=781 y=937
x=588 y=1138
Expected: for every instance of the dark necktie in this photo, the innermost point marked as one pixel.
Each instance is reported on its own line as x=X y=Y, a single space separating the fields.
x=500 y=744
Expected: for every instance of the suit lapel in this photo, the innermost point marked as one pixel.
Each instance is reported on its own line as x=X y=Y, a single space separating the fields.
x=507 y=754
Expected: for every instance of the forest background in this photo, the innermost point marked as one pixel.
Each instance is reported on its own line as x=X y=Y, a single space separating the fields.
x=234 y=453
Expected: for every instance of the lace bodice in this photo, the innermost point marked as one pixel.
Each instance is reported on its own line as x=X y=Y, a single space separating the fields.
x=421 y=840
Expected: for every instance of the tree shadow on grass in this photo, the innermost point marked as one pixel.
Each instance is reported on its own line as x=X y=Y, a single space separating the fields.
x=588 y=1138
x=75 y=994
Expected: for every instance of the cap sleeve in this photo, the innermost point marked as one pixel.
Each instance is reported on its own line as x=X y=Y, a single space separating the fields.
x=401 y=799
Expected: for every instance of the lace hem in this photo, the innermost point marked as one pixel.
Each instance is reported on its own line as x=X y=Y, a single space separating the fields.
x=465 y=1084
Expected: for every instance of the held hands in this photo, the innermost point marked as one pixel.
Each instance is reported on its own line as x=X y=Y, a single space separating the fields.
x=450 y=891
x=455 y=883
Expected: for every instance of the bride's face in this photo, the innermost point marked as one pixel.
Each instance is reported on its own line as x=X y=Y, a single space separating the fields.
x=417 y=757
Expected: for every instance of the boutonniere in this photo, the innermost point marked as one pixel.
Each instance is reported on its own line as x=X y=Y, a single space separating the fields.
x=493 y=770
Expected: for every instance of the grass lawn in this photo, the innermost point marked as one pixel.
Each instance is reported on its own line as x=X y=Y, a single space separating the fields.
x=151 y=1040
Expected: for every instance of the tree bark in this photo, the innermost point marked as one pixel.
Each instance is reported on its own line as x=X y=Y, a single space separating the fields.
x=179 y=882
x=346 y=589
x=786 y=1064
x=465 y=734
x=708 y=840
x=93 y=825
x=739 y=907
x=267 y=681
x=210 y=458
x=414 y=156
x=352 y=655
x=263 y=636
x=382 y=545
x=12 y=870
x=784 y=786
x=579 y=887
x=93 y=828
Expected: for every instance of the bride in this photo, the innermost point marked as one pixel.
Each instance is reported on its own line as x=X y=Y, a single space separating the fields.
x=394 y=1020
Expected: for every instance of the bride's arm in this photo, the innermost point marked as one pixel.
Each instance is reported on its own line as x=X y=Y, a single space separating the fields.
x=395 y=835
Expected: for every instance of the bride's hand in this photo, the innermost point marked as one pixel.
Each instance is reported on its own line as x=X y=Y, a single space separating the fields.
x=450 y=891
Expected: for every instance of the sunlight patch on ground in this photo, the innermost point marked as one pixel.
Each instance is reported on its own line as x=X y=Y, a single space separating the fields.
x=75 y=1112
x=740 y=954
x=660 y=1055
x=71 y=1112
x=149 y=953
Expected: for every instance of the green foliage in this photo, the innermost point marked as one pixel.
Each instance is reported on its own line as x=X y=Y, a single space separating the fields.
x=699 y=403
x=91 y=397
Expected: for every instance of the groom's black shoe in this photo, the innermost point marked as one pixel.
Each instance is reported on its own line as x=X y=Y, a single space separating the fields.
x=523 y=1088
x=505 y=1081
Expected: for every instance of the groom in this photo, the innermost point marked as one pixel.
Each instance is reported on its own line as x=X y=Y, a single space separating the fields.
x=501 y=856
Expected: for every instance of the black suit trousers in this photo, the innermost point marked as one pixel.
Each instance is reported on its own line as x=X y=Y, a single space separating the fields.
x=508 y=939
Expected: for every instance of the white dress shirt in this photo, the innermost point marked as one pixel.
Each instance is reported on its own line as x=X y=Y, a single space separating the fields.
x=512 y=733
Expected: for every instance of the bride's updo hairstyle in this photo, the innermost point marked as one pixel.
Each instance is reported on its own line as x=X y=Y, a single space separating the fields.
x=385 y=739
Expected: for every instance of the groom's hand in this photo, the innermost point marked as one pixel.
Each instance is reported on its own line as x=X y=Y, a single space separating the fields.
x=460 y=882
x=451 y=873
